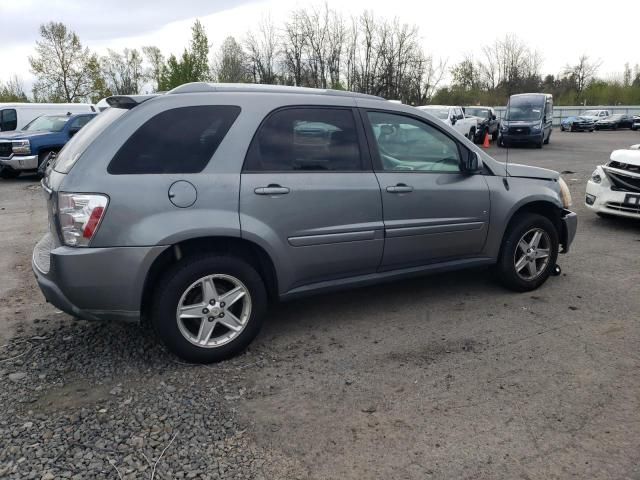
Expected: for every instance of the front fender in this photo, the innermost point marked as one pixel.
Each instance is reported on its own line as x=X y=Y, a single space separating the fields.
x=505 y=203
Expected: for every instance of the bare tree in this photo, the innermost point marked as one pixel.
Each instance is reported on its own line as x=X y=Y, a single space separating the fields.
x=155 y=59
x=123 y=71
x=582 y=74
x=262 y=52
x=294 y=43
x=230 y=64
x=60 y=65
x=12 y=91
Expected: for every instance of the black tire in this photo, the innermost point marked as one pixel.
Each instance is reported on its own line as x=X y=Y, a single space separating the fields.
x=472 y=135
x=177 y=279
x=505 y=267
x=562 y=129
x=9 y=173
x=495 y=135
x=546 y=142
x=43 y=161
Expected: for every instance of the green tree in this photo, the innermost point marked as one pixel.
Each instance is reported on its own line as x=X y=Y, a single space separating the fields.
x=61 y=65
x=192 y=66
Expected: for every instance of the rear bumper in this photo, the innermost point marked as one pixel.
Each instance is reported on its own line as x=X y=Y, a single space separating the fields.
x=569 y=228
x=94 y=283
x=20 y=162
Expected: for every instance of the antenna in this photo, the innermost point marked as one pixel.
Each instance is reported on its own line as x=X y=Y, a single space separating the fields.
x=506 y=144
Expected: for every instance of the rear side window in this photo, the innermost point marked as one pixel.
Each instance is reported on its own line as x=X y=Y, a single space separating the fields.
x=8 y=120
x=306 y=139
x=180 y=140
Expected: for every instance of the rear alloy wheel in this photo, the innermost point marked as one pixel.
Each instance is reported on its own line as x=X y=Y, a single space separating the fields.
x=528 y=253
x=209 y=308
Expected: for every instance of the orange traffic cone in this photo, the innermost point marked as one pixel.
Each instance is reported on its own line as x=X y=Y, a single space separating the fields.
x=485 y=144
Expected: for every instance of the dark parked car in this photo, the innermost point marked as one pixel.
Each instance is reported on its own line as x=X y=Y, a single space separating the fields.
x=577 y=124
x=31 y=149
x=487 y=122
x=528 y=119
x=614 y=122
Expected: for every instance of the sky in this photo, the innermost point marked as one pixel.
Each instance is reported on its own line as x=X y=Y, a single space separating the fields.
x=452 y=29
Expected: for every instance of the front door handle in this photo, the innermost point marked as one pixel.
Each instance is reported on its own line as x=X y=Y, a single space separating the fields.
x=271 y=189
x=400 y=188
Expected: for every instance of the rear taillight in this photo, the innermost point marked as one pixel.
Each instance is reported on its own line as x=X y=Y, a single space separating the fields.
x=80 y=215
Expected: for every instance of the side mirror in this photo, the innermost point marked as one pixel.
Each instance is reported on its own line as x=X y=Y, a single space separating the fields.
x=493 y=117
x=73 y=131
x=471 y=164
x=454 y=119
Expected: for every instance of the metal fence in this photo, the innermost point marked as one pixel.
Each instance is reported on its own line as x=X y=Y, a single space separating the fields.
x=571 y=111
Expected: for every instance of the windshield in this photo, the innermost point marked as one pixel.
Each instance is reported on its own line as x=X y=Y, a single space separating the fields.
x=477 y=112
x=591 y=113
x=47 y=123
x=441 y=113
x=81 y=140
x=526 y=108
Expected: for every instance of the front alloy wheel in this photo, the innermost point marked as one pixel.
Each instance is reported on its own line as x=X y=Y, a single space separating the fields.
x=528 y=253
x=531 y=257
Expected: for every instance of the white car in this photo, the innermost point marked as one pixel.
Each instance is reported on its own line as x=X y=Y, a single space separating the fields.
x=614 y=188
x=595 y=115
x=454 y=116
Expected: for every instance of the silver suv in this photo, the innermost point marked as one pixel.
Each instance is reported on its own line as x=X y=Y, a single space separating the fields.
x=195 y=209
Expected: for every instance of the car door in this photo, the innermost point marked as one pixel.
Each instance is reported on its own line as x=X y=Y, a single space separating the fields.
x=309 y=191
x=432 y=211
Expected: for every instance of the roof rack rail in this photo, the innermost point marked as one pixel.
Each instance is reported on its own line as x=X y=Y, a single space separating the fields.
x=202 y=87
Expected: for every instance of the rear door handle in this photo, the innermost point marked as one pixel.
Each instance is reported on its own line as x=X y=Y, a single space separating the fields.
x=271 y=189
x=400 y=188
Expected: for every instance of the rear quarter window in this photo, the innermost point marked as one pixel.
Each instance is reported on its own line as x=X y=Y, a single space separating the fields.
x=179 y=140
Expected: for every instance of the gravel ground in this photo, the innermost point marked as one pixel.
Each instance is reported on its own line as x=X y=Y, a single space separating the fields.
x=439 y=377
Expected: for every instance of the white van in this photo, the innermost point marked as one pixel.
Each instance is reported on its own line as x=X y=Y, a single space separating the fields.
x=14 y=116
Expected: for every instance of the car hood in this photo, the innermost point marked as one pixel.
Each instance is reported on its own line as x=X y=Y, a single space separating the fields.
x=527 y=171
x=478 y=119
x=630 y=157
x=21 y=135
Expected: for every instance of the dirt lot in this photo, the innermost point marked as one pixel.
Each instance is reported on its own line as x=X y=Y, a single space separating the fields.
x=441 y=377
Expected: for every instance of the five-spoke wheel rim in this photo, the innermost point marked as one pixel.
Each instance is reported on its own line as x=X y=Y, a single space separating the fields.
x=532 y=254
x=213 y=310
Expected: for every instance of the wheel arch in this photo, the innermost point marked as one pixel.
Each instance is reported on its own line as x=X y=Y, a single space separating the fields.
x=546 y=208
x=245 y=249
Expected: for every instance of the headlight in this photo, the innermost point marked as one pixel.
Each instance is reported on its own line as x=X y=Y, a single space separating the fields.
x=80 y=216
x=565 y=194
x=595 y=176
x=535 y=128
x=504 y=128
x=21 y=147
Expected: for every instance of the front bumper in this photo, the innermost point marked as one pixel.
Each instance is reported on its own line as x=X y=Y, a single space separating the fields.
x=569 y=228
x=523 y=138
x=601 y=199
x=580 y=127
x=93 y=283
x=20 y=162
